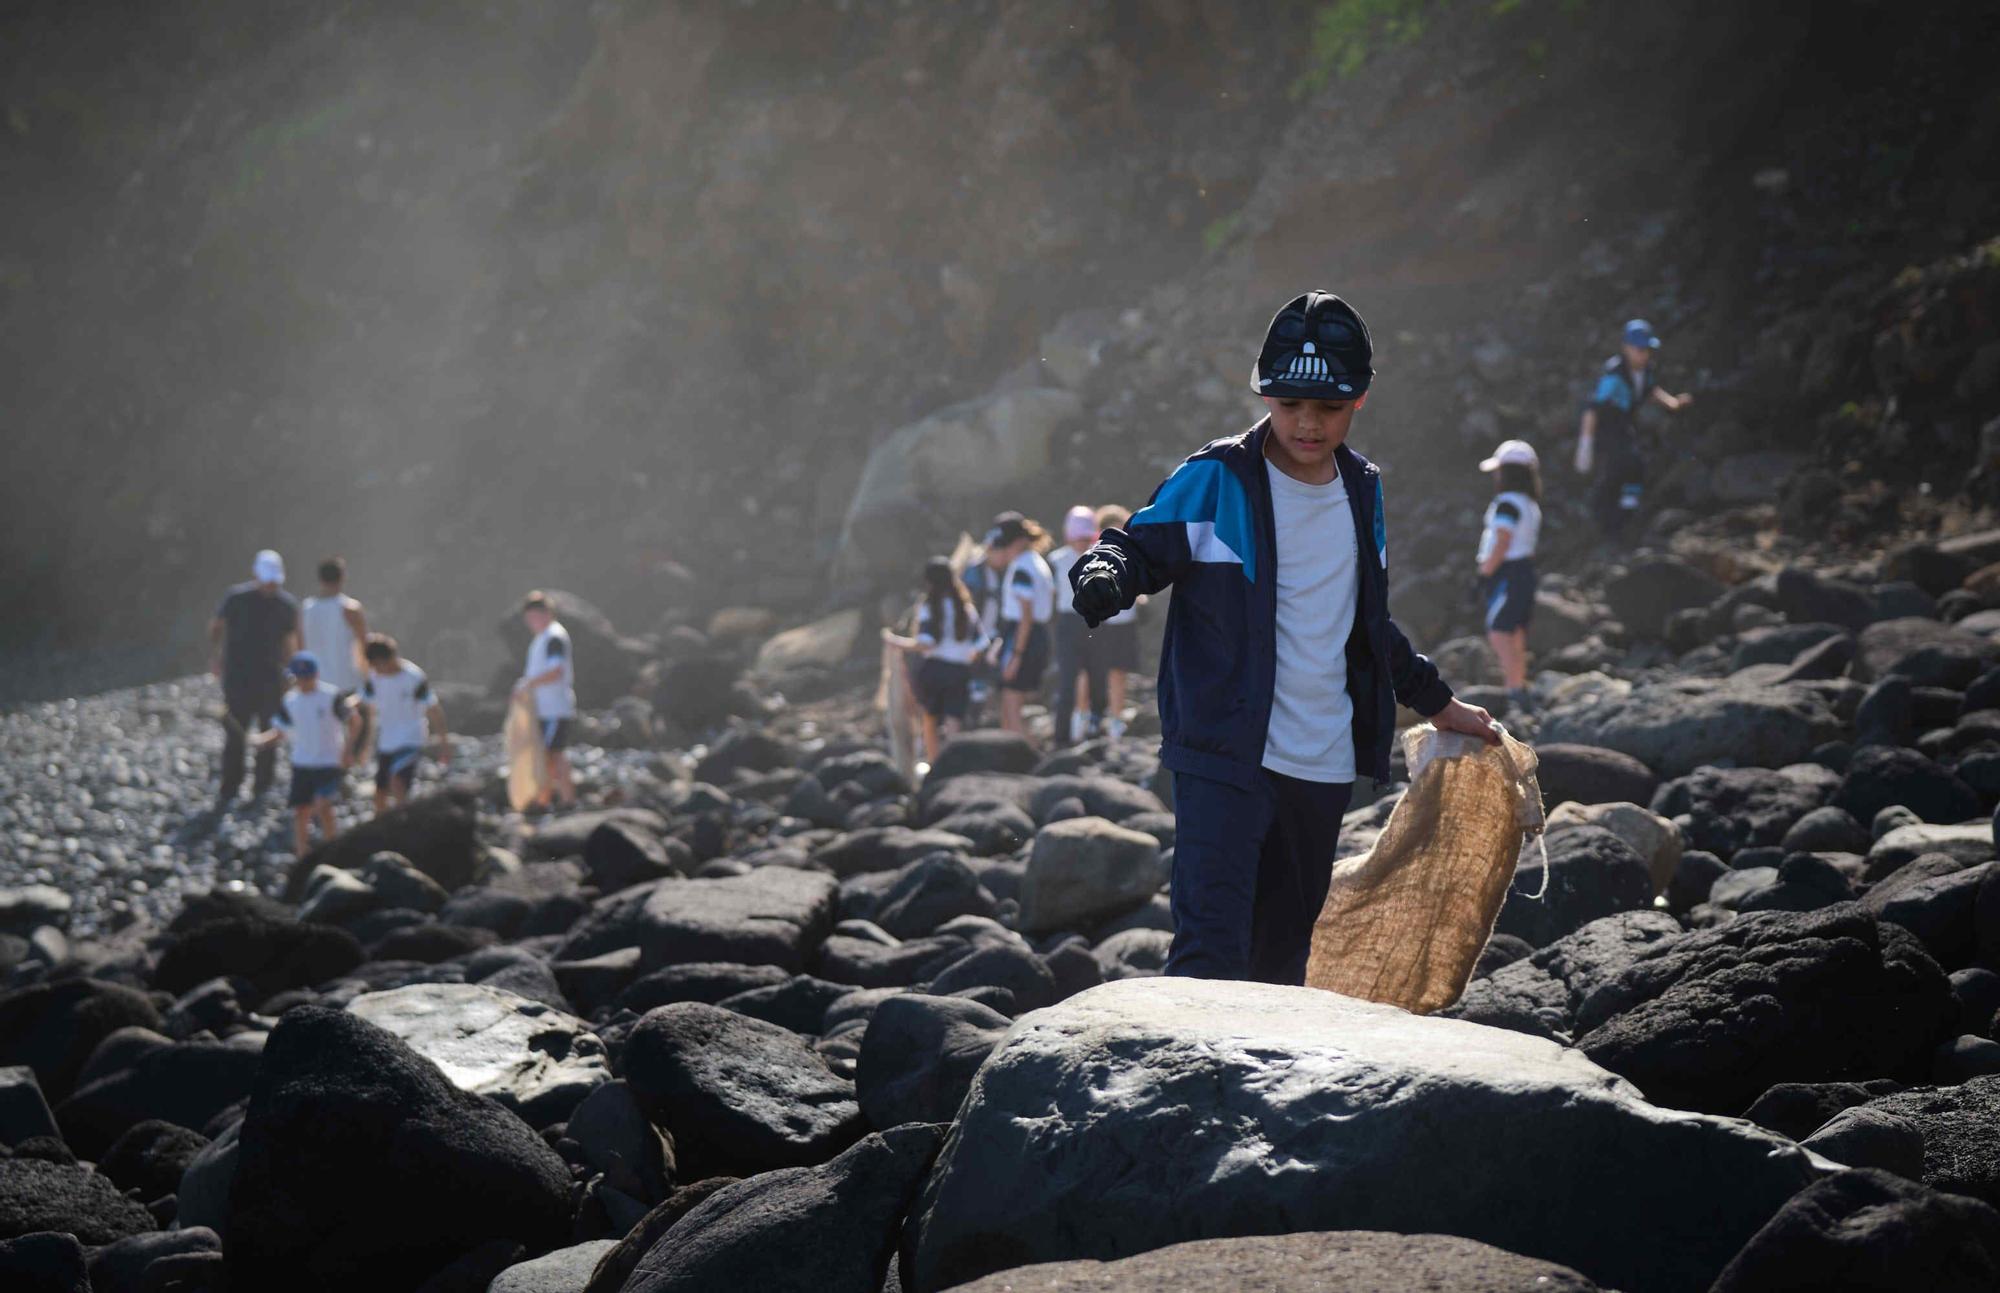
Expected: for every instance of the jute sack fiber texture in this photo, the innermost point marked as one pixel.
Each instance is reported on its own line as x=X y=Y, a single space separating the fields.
x=1404 y=923
x=527 y=757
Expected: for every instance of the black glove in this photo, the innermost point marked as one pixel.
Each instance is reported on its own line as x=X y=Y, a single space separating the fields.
x=1097 y=596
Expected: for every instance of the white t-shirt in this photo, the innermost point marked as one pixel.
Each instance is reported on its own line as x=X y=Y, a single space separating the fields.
x=401 y=701
x=1515 y=512
x=316 y=723
x=551 y=648
x=944 y=640
x=1028 y=576
x=323 y=624
x=1060 y=562
x=1311 y=736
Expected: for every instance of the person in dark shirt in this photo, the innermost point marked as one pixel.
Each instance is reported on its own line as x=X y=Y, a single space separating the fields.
x=254 y=632
x=1607 y=439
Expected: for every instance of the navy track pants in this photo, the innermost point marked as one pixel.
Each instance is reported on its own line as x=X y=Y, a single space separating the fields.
x=1250 y=873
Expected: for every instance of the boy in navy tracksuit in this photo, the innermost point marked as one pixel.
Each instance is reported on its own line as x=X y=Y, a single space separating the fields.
x=1281 y=668
x=1607 y=435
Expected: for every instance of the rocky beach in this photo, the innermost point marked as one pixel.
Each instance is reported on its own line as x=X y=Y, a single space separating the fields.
x=713 y=322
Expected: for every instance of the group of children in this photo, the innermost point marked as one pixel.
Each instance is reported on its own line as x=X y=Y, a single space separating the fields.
x=314 y=676
x=1513 y=525
x=1009 y=614
x=1005 y=621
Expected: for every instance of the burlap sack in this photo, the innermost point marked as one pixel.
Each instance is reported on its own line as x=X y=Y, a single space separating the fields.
x=527 y=756
x=1405 y=922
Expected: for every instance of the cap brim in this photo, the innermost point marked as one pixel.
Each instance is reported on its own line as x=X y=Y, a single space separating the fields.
x=1491 y=464
x=1336 y=390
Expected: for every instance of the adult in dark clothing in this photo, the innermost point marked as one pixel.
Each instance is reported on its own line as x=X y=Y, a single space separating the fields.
x=254 y=632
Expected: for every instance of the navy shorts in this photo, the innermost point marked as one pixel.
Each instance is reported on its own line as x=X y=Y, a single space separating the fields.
x=556 y=733
x=942 y=688
x=1034 y=657
x=315 y=786
x=392 y=766
x=1508 y=596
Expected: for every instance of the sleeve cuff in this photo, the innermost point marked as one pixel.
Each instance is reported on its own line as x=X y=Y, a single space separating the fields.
x=1428 y=699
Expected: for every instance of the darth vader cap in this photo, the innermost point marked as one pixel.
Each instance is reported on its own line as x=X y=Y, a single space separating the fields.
x=1317 y=349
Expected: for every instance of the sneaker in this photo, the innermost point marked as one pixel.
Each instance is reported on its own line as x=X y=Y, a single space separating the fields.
x=1076 y=727
x=1114 y=727
x=1521 y=702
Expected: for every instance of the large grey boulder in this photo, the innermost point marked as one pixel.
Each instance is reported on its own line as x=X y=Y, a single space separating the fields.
x=980 y=446
x=614 y=1136
x=535 y=1060
x=1927 y=652
x=976 y=791
x=1147 y=1112
x=1540 y=994
x=566 y=1270
x=1871 y=1232
x=1085 y=870
x=1866 y=1137
x=1342 y=1259
x=1961 y=1154
x=1674 y=728
x=825 y=1229
x=1647 y=594
x=1970 y=844
x=919 y=1056
x=359 y=1163
x=775 y=915
x=1714 y=1018
x=1730 y=809
x=738 y=1095
x=1590 y=873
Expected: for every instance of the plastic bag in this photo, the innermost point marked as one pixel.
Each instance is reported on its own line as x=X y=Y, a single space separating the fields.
x=1404 y=923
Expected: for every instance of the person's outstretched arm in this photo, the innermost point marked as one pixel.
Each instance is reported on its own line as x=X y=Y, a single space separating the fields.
x=1200 y=503
x=357 y=625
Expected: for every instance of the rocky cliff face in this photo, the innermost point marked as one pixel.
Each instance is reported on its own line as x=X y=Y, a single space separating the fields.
x=623 y=298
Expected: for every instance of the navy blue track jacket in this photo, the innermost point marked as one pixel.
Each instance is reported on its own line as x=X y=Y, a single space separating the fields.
x=1208 y=531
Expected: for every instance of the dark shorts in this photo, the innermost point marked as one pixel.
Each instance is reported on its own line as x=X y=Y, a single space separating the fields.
x=1113 y=646
x=1034 y=658
x=942 y=687
x=315 y=785
x=392 y=766
x=1507 y=596
x=556 y=733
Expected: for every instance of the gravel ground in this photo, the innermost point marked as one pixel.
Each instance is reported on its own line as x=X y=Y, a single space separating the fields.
x=108 y=798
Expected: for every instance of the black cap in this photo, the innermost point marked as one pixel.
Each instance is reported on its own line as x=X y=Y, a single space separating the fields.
x=1007 y=527
x=1317 y=348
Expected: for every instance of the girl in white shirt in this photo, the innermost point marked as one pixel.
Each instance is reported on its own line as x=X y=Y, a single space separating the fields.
x=1027 y=606
x=949 y=637
x=1507 y=560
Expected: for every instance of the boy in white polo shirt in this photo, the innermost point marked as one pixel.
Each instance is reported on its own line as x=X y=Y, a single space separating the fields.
x=551 y=680
x=322 y=725
x=400 y=697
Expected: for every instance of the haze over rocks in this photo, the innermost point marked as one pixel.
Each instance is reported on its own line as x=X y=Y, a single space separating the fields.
x=807 y=299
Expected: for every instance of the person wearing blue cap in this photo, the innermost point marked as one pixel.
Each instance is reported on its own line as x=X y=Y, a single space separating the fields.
x=1281 y=670
x=323 y=726
x=1607 y=438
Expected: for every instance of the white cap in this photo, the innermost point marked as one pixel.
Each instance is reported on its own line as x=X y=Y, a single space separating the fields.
x=268 y=568
x=1519 y=451
x=1080 y=523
